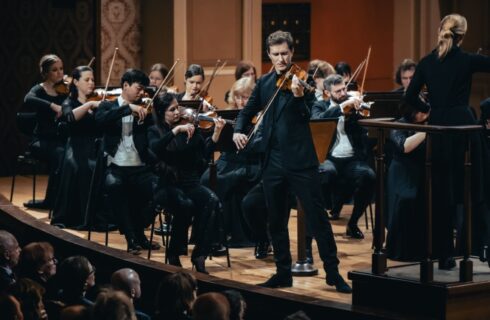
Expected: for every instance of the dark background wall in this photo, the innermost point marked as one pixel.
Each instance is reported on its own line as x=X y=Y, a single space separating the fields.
x=28 y=30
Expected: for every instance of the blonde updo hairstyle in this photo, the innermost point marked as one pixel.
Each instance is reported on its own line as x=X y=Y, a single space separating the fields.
x=452 y=29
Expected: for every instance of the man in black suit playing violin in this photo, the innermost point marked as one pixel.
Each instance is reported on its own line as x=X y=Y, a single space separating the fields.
x=290 y=164
x=347 y=159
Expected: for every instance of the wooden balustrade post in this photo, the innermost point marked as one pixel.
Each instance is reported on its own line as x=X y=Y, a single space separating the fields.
x=426 y=265
x=379 y=257
x=466 y=265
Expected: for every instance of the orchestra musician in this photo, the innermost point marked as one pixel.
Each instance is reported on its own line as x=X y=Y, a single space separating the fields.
x=346 y=170
x=447 y=72
x=72 y=198
x=184 y=154
x=404 y=74
x=344 y=69
x=129 y=179
x=290 y=163
x=46 y=99
x=319 y=70
x=244 y=69
x=158 y=72
x=405 y=185
x=194 y=79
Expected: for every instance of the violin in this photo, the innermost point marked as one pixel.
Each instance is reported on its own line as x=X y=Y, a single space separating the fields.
x=349 y=109
x=204 y=121
x=99 y=96
x=285 y=81
x=63 y=87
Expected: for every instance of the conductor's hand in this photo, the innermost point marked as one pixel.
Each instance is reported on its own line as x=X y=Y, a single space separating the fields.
x=240 y=140
x=138 y=110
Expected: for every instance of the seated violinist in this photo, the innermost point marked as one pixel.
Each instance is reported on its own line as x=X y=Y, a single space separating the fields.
x=347 y=159
x=129 y=178
x=194 y=79
x=183 y=153
x=404 y=74
x=318 y=70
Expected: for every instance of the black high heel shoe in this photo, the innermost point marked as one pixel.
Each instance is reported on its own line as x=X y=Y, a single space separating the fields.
x=199 y=264
x=484 y=254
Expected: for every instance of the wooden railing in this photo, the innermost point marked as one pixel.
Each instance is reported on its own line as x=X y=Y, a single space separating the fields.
x=379 y=266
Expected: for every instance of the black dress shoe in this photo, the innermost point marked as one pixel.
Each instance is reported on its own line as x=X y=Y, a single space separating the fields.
x=37 y=204
x=447 y=263
x=133 y=247
x=174 y=260
x=354 y=232
x=146 y=244
x=262 y=250
x=336 y=280
x=218 y=251
x=278 y=281
x=200 y=264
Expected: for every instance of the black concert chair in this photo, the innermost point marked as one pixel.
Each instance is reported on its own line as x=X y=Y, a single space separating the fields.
x=26 y=122
x=160 y=212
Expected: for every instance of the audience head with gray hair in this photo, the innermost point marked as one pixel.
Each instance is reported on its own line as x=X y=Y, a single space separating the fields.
x=9 y=257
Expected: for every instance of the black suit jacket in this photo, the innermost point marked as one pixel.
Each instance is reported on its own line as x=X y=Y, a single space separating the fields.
x=357 y=135
x=287 y=121
x=108 y=117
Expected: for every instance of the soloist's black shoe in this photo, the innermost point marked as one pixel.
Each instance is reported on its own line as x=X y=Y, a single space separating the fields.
x=146 y=244
x=483 y=254
x=335 y=279
x=133 y=246
x=447 y=263
x=262 y=250
x=37 y=204
x=278 y=281
x=354 y=232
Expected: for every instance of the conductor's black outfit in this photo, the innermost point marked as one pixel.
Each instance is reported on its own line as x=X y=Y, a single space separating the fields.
x=290 y=164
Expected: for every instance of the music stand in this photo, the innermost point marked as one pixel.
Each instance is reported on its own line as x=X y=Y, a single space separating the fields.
x=194 y=104
x=322 y=133
x=386 y=105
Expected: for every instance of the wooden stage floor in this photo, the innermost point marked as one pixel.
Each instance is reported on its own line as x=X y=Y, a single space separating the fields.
x=353 y=254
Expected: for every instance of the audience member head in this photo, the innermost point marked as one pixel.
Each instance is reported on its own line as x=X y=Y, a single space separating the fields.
x=299 y=315
x=176 y=294
x=51 y=68
x=211 y=306
x=452 y=29
x=128 y=281
x=245 y=69
x=30 y=295
x=158 y=72
x=9 y=250
x=240 y=92
x=237 y=304
x=76 y=275
x=113 y=305
x=10 y=308
x=75 y=312
x=37 y=261
x=404 y=73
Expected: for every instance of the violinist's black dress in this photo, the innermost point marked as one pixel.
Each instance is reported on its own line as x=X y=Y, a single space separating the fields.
x=47 y=144
x=405 y=201
x=76 y=168
x=448 y=84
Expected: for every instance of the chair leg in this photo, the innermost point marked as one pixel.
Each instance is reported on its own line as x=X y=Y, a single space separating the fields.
x=366 y=218
x=12 y=187
x=371 y=215
x=168 y=219
x=152 y=230
x=107 y=235
x=34 y=174
x=160 y=220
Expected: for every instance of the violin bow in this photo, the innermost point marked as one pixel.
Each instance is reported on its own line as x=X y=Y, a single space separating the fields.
x=110 y=71
x=90 y=62
x=356 y=72
x=208 y=84
x=365 y=71
x=166 y=80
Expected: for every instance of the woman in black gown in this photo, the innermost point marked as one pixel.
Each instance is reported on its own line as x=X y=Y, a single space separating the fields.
x=447 y=72
x=46 y=99
x=77 y=165
x=183 y=153
x=405 y=185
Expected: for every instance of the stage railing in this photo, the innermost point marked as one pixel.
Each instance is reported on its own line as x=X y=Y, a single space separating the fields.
x=379 y=265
